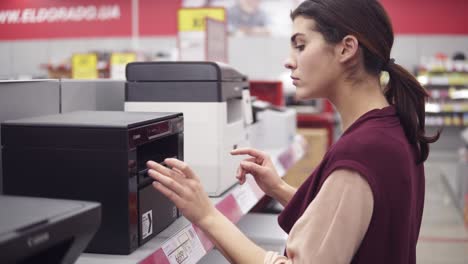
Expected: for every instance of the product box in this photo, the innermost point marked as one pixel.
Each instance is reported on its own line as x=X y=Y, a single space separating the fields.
x=316 y=139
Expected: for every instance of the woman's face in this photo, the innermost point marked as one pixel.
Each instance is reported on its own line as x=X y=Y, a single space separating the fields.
x=311 y=61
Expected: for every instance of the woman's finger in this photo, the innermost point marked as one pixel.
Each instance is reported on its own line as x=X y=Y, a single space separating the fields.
x=240 y=175
x=178 y=171
x=168 y=182
x=163 y=170
x=249 y=151
x=251 y=167
x=182 y=167
x=176 y=199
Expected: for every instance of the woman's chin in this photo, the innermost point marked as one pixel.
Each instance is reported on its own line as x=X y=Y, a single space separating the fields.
x=303 y=96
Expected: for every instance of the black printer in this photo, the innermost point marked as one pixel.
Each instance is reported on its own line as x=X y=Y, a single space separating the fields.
x=41 y=230
x=97 y=156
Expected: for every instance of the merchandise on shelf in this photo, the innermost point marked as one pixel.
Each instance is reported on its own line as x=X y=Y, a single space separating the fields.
x=446 y=82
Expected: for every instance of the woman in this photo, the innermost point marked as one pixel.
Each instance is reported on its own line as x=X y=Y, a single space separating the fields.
x=364 y=202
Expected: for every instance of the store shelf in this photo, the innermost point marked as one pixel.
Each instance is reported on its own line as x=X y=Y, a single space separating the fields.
x=447 y=107
x=182 y=239
x=445 y=79
x=450 y=93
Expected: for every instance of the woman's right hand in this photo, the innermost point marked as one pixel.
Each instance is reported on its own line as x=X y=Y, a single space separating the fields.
x=260 y=166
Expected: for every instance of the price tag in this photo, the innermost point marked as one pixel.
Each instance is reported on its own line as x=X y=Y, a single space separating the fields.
x=299 y=146
x=84 y=66
x=118 y=63
x=184 y=248
x=286 y=159
x=245 y=197
x=247 y=106
x=279 y=167
x=193 y=19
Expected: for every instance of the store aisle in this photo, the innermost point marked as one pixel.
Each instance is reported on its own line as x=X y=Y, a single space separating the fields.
x=443 y=237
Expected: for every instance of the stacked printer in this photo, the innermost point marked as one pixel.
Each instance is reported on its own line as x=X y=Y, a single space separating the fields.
x=96 y=156
x=214 y=99
x=274 y=127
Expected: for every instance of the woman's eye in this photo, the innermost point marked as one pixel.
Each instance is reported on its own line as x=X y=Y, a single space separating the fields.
x=300 y=47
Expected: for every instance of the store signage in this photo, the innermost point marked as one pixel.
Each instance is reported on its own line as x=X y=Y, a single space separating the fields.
x=158 y=17
x=119 y=62
x=193 y=19
x=428 y=16
x=59 y=19
x=84 y=66
x=192 y=36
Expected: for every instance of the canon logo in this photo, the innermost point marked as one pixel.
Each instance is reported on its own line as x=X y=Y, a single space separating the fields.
x=38 y=239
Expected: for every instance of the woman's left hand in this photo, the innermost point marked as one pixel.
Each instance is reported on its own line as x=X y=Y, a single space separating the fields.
x=183 y=187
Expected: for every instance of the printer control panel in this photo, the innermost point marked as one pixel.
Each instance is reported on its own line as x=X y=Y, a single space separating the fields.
x=141 y=135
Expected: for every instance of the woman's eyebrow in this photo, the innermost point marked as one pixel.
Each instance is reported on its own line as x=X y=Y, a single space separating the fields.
x=293 y=38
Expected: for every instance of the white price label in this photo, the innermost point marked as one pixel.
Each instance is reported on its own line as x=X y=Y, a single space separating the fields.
x=245 y=197
x=185 y=247
x=279 y=167
x=247 y=106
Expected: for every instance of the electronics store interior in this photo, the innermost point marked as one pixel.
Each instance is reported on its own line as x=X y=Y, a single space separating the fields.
x=233 y=131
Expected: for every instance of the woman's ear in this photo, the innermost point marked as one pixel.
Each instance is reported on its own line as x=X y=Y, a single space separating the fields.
x=348 y=49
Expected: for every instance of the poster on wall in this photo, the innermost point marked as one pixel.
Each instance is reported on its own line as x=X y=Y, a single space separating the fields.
x=253 y=17
x=45 y=19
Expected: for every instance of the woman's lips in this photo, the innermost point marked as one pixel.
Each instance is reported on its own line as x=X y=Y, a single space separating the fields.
x=295 y=80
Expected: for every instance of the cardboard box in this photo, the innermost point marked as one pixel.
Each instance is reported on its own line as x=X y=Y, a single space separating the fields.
x=317 y=144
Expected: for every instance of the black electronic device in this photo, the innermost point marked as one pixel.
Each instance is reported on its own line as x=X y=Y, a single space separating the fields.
x=41 y=230
x=97 y=156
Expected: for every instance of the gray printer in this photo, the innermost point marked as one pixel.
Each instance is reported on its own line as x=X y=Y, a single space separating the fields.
x=39 y=230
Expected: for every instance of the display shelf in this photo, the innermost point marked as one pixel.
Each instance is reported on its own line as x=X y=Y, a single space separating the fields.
x=455 y=80
x=183 y=241
x=447 y=107
x=450 y=93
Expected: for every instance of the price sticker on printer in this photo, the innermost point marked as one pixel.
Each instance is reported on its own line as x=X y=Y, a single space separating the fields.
x=184 y=248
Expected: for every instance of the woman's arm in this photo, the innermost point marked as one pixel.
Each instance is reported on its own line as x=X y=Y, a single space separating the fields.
x=333 y=225
x=330 y=231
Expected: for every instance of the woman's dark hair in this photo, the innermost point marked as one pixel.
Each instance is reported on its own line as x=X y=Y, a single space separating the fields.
x=370 y=24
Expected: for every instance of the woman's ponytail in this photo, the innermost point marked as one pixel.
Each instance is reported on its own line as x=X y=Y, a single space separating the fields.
x=409 y=99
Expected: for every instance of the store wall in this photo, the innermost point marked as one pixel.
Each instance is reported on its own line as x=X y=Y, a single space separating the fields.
x=422 y=28
x=258 y=57
x=24 y=58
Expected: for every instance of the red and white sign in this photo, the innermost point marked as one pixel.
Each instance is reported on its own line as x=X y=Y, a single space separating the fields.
x=158 y=17
x=35 y=19
x=427 y=16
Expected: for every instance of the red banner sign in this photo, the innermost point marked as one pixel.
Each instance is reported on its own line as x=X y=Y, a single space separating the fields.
x=158 y=17
x=428 y=16
x=33 y=19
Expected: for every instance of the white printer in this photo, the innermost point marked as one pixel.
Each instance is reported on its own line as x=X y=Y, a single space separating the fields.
x=274 y=127
x=216 y=114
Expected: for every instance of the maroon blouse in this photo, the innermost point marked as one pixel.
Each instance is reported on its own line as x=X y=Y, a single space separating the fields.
x=376 y=147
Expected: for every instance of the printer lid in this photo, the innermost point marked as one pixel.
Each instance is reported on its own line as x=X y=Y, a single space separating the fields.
x=182 y=71
x=105 y=119
x=23 y=212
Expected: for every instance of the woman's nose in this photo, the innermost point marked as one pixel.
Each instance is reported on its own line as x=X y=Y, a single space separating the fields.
x=289 y=64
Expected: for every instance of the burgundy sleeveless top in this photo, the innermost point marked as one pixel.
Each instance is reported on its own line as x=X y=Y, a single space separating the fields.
x=376 y=147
